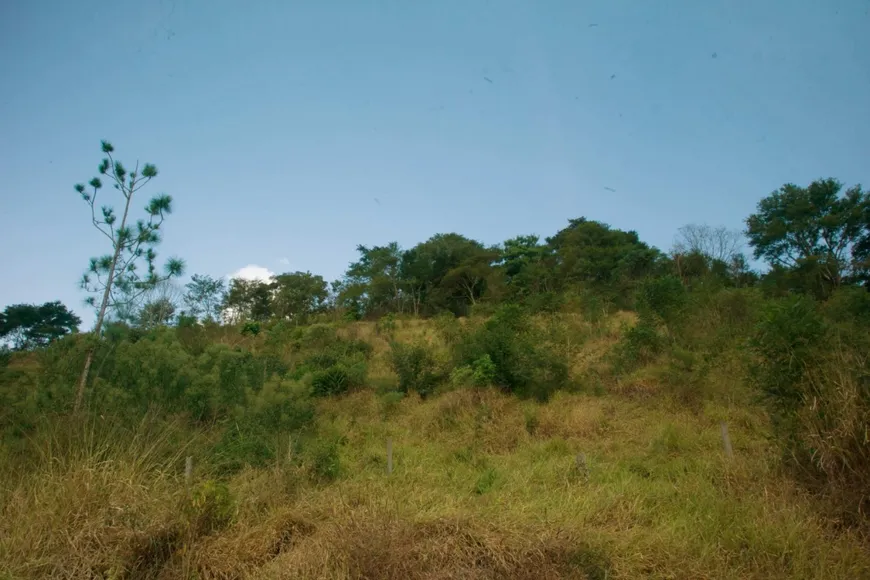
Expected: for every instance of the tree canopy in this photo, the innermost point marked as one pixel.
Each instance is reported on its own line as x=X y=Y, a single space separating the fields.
x=813 y=234
x=29 y=326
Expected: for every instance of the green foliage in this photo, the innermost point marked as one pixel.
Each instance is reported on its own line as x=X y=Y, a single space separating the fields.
x=812 y=234
x=663 y=297
x=810 y=361
x=119 y=276
x=251 y=328
x=416 y=367
x=609 y=260
x=204 y=297
x=323 y=456
x=387 y=324
x=639 y=345
x=298 y=296
x=248 y=301
x=483 y=371
x=507 y=350
x=159 y=312
x=242 y=445
x=374 y=284
x=784 y=344
x=336 y=365
x=28 y=326
x=210 y=507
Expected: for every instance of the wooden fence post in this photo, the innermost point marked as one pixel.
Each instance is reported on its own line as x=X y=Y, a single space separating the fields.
x=389 y=455
x=726 y=440
x=582 y=466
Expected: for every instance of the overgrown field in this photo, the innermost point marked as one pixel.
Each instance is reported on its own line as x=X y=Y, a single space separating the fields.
x=598 y=455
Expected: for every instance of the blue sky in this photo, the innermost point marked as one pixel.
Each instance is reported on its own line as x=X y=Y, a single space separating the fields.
x=288 y=132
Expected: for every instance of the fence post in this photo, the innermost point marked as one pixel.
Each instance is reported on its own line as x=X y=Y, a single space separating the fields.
x=289 y=449
x=188 y=470
x=726 y=440
x=582 y=466
x=389 y=455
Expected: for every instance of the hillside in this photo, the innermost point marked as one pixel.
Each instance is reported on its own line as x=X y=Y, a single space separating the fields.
x=614 y=475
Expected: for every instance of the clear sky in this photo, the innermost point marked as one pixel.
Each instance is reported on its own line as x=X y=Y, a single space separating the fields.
x=289 y=131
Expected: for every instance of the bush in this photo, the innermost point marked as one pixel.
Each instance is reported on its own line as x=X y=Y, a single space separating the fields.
x=336 y=365
x=784 y=344
x=815 y=376
x=210 y=507
x=662 y=297
x=246 y=444
x=387 y=324
x=639 y=345
x=416 y=368
x=323 y=457
x=448 y=327
x=507 y=352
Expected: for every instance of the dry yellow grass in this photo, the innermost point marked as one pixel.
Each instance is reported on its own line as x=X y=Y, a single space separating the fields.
x=485 y=486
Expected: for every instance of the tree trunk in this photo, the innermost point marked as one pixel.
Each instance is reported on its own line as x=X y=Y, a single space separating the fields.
x=83 y=381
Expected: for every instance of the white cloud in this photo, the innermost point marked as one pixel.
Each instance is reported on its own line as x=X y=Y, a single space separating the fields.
x=284 y=261
x=253 y=272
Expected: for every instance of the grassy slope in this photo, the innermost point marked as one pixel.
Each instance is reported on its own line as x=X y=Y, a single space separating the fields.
x=484 y=486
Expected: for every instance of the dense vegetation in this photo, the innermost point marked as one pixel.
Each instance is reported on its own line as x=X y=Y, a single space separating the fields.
x=489 y=365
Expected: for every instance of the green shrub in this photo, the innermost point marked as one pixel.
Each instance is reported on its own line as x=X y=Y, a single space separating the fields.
x=483 y=371
x=333 y=380
x=281 y=405
x=241 y=445
x=448 y=328
x=336 y=365
x=814 y=373
x=462 y=376
x=663 y=297
x=416 y=367
x=639 y=345
x=251 y=328
x=784 y=343
x=507 y=351
x=387 y=324
x=209 y=508
x=324 y=459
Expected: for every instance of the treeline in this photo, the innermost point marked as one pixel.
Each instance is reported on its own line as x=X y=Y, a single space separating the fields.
x=814 y=239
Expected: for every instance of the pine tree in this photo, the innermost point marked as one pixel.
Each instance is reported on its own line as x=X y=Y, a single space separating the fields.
x=117 y=276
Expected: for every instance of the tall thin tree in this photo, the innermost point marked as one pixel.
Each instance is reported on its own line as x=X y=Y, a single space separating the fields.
x=116 y=276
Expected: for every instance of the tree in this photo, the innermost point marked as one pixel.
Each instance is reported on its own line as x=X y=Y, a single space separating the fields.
x=248 y=300
x=528 y=266
x=813 y=233
x=29 y=326
x=204 y=297
x=159 y=305
x=298 y=295
x=593 y=253
x=471 y=274
x=715 y=243
x=156 y=313
x=447 y=271
x=375 y=278
x=117 y=275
